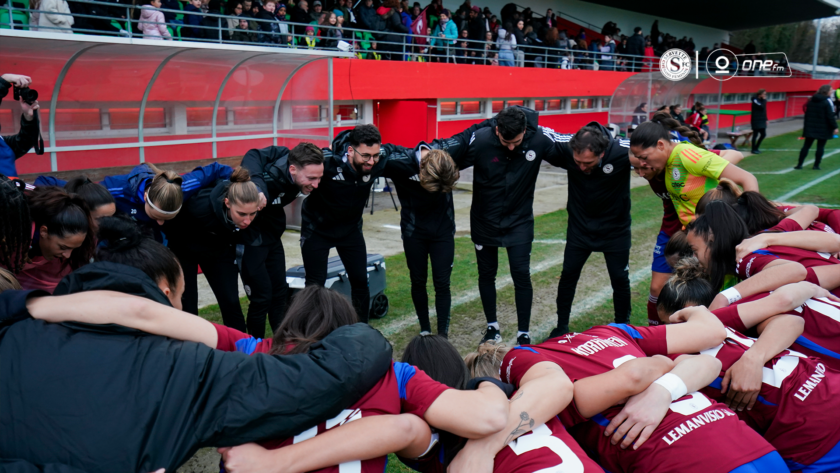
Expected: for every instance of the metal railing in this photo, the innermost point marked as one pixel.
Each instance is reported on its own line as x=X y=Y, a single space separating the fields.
x=366 y=44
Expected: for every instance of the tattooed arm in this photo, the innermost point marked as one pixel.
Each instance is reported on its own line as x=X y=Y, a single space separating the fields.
x=544 y=391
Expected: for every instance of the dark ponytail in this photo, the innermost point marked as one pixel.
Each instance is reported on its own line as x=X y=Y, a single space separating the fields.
x=313 y=314
x=722 y=230
x=96 y=195
x=121 y=241
x=64 y=214
x=757 y=212
x=439 y=359
x=688 y=285
x=660 y=127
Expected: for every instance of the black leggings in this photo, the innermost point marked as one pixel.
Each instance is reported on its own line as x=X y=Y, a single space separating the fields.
x=807 y=147
x=756 y=132
x=574 y=257
x=264 y=277
x=219 y=267
x=353 y=252
x=442 y=255
x=519 y=258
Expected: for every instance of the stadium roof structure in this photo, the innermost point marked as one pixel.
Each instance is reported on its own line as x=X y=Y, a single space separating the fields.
x=730 y=15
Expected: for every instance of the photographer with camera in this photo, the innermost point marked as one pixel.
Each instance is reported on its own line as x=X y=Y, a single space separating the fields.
x=13 y=147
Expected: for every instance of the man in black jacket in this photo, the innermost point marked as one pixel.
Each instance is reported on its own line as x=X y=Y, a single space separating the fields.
x=506 y=154
x=820 y=125
x=599 y=215
x=476 y=27
x=758 y=119
x=282 y=176
x=636 y=47
x=106 y=398
x=13 y=147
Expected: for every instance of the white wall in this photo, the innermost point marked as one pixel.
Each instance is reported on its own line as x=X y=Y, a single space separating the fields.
x=599 y=14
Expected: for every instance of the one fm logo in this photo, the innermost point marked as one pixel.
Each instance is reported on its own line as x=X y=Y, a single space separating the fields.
x=723 y=64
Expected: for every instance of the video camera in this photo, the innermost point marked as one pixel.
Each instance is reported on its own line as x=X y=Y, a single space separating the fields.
x=26 y=94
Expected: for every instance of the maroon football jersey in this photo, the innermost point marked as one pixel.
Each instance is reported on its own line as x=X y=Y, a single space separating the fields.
x=670 y=220
x=753 y=263
x=821 y=336
x=796 y=393
x=693 y=426
x=548 y=447
x=791 y=225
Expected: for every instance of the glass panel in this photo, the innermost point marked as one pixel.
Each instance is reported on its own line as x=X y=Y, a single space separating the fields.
x=447 y=108
x=556 y=105
x=251 y=115
x=347 y=112
x=605 y=102
x=511 y=103
x=306 y=113
x=539 y=105
x=498 y=105
x=470 y=108
x=586 y=104
x=203 y=116
x=575 y=103
x=128 y=118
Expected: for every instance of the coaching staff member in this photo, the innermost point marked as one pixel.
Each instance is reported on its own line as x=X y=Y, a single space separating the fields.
x=599 y=215
x=506 y=155
x=281 y=175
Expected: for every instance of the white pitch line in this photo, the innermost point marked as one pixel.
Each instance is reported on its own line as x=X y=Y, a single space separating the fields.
x=405 y=320
x=808 y=185
x=584 y=306
x=806 y=163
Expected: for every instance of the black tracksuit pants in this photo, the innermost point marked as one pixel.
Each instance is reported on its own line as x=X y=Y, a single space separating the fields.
x=758 y=136
x=519 y=258
x=353 y=252
x=220 y=269
x=264 y=277
x=803 y=153
x=418 y=252
x=574 y=257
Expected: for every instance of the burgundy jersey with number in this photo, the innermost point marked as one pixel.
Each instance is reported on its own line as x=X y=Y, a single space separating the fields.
x=670 y=220
x=548 y=447
x=796 y=393
x=693 y=426
x=821 y=336
x=403 y=389
x=753 y=263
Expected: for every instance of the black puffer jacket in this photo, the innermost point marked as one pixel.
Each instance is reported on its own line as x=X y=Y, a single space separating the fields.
x=504 y=181
x=111 y=399
x=758 y=119
x=819 y=118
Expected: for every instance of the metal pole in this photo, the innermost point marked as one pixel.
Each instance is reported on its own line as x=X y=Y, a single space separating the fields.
x=128 y=22
x=219 y=23
x=816 y=48
x=330 y=98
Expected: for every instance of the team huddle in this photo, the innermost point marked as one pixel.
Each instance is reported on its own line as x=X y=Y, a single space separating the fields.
x=108 y=369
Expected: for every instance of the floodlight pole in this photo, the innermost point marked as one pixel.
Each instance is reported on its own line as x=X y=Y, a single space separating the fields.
x=816 y=48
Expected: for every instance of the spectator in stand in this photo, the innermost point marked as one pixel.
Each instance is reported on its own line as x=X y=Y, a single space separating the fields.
x=820 y=125
x=494 y=24
x=607 y=61
x=242 y=33
x=367 y=17
x=300 y=15
x=309 y=39
x=445 y=34
x=506 y=43
x=636 y=47
x=521 y=45
x=415 y=12
x=650 y=64
x=330 y=36
x=345 y=10
x=749 y=48
x=655 y=33
x=55 y=17
x=170 y=16
x=549 y=21
x=464 y=54
x=610 y=28
x=490 y=51
x=621 y=64
x=405 y=18
x=567 y=44
x=315 y=14
x=704 y=53
x=390 y=42
x=535 y=54
x=676 y=113
x=476 y=26
x=152 y=23
x=552 y=42
x=233 y=21
x=192 y=20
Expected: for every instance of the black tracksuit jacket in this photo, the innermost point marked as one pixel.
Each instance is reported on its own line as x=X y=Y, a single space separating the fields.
x=599 y=202
x=269 y=168
x=108 y=399
x=502 y=212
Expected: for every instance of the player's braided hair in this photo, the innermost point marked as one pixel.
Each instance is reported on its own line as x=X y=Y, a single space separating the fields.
x=487 y=360
x=15 y=225
x=687 y=286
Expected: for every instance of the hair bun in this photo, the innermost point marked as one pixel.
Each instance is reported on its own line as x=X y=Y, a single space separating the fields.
x=118 y=233
x=688 y=269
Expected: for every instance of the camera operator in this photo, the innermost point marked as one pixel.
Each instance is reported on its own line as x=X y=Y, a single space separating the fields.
x=12 y=147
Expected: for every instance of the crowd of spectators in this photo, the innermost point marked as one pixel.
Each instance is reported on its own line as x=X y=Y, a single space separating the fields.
x=381 y=29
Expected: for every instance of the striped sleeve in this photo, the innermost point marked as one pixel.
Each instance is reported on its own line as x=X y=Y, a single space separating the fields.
x=554 y=136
